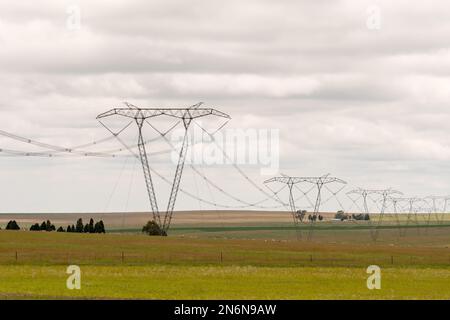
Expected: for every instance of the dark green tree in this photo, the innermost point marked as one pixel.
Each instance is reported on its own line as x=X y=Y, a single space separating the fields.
x=100 y=227
x=50 y=226
x=80 y=227
x=12 y=225
x=60 y=229
x=91 y=226
x=35 y=227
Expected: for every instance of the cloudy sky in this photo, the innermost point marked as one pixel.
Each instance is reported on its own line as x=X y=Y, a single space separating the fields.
x=358 y=89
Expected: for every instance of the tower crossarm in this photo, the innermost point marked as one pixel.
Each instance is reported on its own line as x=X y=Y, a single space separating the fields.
x=180 y=113
x=296 y=180
x=385 y=192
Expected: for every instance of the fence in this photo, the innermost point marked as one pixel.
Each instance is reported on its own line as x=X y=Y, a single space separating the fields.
x=290 y=259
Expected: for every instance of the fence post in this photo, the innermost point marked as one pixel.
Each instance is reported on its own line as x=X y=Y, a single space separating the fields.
x=221 y=257
x=16 y=256
x=310 y=258
x=123 y=257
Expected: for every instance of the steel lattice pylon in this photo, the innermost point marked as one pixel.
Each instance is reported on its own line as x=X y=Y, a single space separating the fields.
x=291 y=182
x=385 y=195
x=412 y=211
x=141 y=115
x=436 y=209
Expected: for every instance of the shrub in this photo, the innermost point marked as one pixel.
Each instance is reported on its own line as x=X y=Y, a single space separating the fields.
x=60 y=229
x=12 y=225
x=361 y=217
x=50 y=226
x=301 y=214
x=341 y=215
x=153 y=229
x=99 y=227
x=45 y=226
x=35 y=227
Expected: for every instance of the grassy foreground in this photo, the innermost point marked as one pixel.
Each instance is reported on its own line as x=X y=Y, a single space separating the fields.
x=33 y=265
x=228 y=282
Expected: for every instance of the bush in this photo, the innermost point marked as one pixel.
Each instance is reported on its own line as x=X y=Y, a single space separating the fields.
x=99 y=227
x=153 y=229
x=50 y=226
x=341 y=215
x=60 y=229
x=12 y=225
x=301 y=214
x=361 y=217
x=45 y=226
x=35 y=227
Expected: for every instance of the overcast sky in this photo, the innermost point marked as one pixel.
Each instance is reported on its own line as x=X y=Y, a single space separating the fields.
x=362 y=98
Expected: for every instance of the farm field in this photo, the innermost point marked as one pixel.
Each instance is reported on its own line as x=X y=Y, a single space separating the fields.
x=185 y=221
x=227 y=266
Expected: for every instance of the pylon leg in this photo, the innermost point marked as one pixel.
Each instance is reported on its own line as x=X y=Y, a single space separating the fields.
x=176 y=182
x=147 y=173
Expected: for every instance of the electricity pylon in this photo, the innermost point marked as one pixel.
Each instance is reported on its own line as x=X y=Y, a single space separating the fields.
x=412 y=211
x=435 y=208
x=143 y=115
x=365 y=194
x=320 y=182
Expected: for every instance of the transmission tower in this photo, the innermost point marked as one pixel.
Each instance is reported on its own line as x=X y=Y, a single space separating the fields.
x=436 y=209
x=366 y=194
x=142 y=116
x=412 y=211
x=291 y=182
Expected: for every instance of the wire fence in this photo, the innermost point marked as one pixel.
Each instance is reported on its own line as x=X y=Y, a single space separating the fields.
x=303 y=259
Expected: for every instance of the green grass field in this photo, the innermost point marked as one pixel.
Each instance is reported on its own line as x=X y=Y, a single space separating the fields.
x=197 y=265
x=223 y=282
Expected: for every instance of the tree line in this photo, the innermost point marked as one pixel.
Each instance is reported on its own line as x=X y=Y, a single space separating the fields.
x=79 y=227
x=91 y=227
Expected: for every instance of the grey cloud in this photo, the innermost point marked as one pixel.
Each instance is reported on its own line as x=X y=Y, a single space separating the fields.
x=368 y=105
